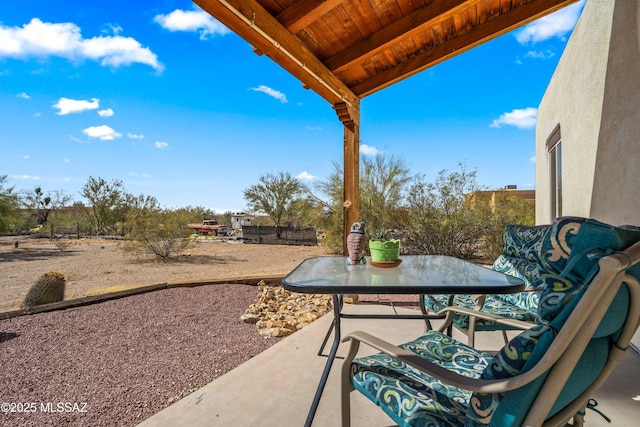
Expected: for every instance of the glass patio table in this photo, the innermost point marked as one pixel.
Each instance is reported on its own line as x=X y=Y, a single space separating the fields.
x=416 y=274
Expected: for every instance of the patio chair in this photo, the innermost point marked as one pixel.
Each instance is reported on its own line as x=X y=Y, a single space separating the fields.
x=589 y=310
x=519 y=258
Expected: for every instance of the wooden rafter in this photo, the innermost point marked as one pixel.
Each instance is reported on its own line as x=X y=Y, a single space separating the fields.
x=495 y=27
x=385 y=38
x=253 y=23
x=302 y=13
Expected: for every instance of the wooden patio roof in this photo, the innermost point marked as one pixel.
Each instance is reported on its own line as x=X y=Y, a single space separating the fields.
x=345 y=50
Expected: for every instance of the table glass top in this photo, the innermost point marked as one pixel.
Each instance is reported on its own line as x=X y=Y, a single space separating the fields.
x=416 y=274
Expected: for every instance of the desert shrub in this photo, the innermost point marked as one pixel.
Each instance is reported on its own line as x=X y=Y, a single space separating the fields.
x=440 y=218
x=60 y=243
x=156 y=232
x=47 y=289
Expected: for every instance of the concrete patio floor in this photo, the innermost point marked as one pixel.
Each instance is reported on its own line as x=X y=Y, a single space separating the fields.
x=276 y=387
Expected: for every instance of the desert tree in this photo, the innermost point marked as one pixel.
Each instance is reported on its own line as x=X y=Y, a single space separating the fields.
x=383 y=183
x=9 y=206
x=103 y=198
x=45 y=203
x=275 y=195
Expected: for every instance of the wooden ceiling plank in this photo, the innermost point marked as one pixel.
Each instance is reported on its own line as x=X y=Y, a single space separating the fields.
x=491 y=29
x=302 y=13
x=403 y=28
x=312 y=74
x=387 y=11
x=359 y=12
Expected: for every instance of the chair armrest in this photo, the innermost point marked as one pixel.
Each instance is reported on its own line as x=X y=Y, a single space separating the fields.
x=436 y=371
x=488 y=316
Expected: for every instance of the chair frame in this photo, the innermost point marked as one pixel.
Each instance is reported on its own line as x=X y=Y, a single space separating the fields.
x=450 y=310
x=559 y=359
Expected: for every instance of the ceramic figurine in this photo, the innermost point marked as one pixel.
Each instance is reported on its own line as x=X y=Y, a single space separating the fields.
x=356 y=243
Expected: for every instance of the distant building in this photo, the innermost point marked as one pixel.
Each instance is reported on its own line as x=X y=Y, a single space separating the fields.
x=492 y=196
x=238 y=220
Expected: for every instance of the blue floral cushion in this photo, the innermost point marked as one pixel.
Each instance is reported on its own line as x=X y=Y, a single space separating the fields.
x=492 y=304
x=520 y=258
x=412 y=398
x=570 y=252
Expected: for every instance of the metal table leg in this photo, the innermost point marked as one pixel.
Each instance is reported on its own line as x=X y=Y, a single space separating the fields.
x=327 y=367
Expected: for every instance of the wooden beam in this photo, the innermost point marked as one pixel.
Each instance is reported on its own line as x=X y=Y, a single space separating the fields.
x=252 y=22
x=401 y=29
x=491 y=29
x=351 y=204
x=304 y=12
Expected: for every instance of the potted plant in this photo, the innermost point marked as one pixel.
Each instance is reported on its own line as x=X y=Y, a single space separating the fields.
x=383 y=248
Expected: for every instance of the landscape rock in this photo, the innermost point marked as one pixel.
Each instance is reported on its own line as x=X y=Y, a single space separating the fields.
x=278 y=312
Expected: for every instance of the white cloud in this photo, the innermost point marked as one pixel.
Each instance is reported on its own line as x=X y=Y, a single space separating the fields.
x=533 y=159
x=368 y=150
x=555 y=25
x=115 y=29
x=103 y=133
x=314 y=128
x=134 y=136
x=161 y=145
x=105 y=113
x=305 y=176
x=540 y=54
x=28 y=177
x=43 y=39
x=522 y=119
x=192 y=21
x=26 y=157
x=68 y=106
x=276 y=94
x=38 y=114
x=23 y=95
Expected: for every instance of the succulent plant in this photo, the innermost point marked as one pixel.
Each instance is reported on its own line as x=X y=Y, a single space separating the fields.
x=379 y=235
x=47 y=289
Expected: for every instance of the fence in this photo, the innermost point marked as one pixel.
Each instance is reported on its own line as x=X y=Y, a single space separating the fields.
x=76 y=232
x=267 y=235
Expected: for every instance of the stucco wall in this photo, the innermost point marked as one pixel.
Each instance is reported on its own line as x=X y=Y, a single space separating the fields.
x=594 y=95
x=573 y=99
x=616 y=190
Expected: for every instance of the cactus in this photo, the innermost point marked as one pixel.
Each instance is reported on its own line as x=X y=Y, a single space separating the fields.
x=49 y=288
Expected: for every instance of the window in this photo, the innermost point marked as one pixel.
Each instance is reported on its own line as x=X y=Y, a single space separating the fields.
x=554 y=147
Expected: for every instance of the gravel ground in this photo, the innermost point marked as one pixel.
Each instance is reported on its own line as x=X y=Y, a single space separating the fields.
x=119 y=362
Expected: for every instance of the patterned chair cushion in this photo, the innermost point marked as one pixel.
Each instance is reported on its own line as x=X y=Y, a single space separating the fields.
x=492 y=304
x=570 y=252
x=412 y=398
x=520 y=258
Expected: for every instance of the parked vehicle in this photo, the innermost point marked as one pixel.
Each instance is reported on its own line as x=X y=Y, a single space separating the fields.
x=210 y=226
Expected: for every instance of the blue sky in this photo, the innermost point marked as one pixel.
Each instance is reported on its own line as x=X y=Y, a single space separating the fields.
x=166 y=99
